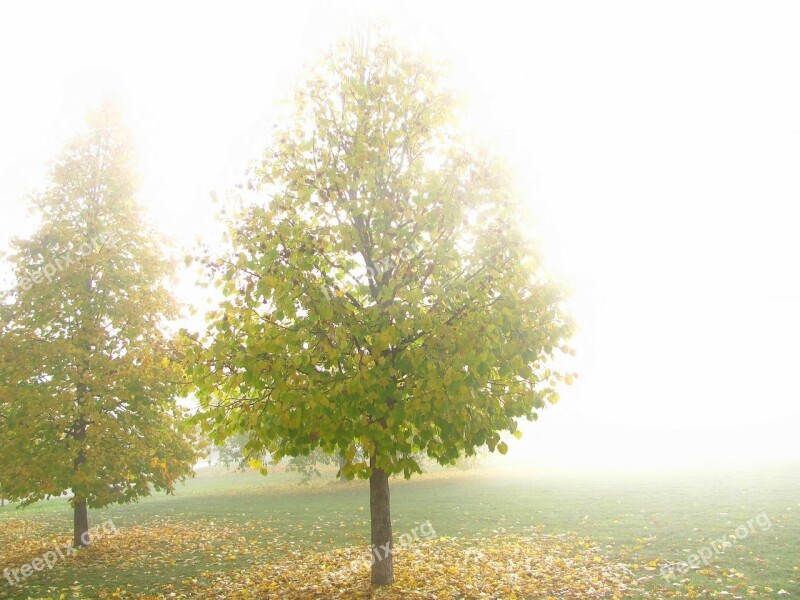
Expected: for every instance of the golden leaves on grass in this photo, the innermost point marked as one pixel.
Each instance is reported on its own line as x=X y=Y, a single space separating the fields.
x=156 y=548
x=713 y=581
x=204 y=559
x=22 y=540
x=164 y=542
x=538 y=565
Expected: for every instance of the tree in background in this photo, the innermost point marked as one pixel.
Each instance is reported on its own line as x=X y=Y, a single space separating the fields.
x=379 y=292
x=88 y=376
x=235 y=452
x=308 y=465
x=231 y=453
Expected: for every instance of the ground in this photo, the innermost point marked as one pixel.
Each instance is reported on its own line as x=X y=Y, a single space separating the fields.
x=498 y=534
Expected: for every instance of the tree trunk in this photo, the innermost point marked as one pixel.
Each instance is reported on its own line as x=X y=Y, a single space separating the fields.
x=81 y=524
x=382 y=547
x=340 y=462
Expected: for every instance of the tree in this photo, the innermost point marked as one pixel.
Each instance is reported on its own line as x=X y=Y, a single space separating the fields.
x=308 y=465
x=231 y=453
x=379 y=291
x=235 y=452
x=88 y=374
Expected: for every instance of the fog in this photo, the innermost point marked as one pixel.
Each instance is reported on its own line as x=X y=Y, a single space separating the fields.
x=660 y=162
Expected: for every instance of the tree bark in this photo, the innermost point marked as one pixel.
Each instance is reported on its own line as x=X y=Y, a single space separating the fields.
x=381 y=521
x=81 y=524
x=340 y=461
x=81 y=520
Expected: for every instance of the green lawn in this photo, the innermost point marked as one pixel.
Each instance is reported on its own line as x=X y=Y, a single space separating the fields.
x=221 y=521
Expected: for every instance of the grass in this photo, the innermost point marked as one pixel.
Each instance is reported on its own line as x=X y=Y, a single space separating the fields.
x=221 y=521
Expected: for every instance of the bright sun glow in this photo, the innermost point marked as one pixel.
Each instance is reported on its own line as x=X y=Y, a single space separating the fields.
x=660 y=163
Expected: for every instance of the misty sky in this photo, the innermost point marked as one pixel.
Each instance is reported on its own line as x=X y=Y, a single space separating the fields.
x=658 y=147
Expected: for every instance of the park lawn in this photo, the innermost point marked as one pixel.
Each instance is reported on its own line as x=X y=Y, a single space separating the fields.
x=222 y=523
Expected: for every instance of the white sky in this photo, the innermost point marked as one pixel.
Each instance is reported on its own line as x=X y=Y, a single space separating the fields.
x=658 y=145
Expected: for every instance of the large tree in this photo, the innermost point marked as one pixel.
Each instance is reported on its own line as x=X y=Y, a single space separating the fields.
x=379 y=291
x=88 y=374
